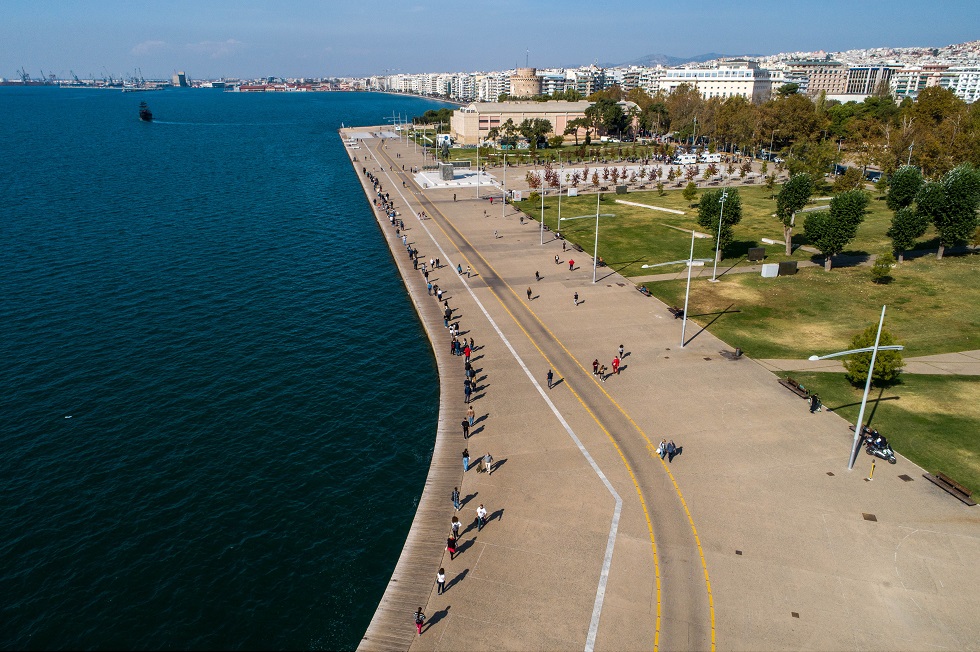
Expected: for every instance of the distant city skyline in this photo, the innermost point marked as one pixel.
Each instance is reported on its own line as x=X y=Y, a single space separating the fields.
x=309 y=38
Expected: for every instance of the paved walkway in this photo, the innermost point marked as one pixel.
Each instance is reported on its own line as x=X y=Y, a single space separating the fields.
x=964 y=363
x=754 y=537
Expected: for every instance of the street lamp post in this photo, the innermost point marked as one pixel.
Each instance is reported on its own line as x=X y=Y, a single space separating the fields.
x=503 y=201
x=690 y=262
x=595 y=250
x=859 y=426
x=721 y=213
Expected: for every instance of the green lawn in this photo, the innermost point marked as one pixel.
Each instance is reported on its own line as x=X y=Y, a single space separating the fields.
x=932 y=420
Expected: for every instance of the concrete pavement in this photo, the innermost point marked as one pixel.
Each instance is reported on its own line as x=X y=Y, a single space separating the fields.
x=597 y=542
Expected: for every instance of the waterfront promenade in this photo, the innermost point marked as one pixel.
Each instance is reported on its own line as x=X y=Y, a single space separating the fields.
x=754 y=537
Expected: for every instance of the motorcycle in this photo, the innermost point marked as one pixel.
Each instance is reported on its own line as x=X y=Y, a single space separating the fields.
x=875 y=444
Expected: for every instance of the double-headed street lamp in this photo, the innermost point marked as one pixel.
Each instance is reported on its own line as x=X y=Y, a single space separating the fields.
x=859 y=427
x=690 y=262
x=721 y=213
x=595 y=252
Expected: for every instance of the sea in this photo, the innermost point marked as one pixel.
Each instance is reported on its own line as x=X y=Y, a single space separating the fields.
x=217 y=403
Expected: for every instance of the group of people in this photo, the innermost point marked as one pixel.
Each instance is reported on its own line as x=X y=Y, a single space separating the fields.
x=602 y=372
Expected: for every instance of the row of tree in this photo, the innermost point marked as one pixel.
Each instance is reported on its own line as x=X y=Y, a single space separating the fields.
x=936 y=132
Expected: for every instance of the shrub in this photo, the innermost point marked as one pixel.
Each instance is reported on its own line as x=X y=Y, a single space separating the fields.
x=888 y=364
x=881 y=270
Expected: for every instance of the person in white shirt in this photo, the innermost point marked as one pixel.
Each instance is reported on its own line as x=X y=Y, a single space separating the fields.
x=481 y=517
x=441 y=581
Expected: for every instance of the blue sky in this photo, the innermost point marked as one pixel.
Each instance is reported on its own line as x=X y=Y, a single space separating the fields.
x=213 y=38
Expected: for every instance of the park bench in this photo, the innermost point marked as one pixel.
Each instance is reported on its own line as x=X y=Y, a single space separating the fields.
x=676 y=312
x=795 y=387
x=951 y=487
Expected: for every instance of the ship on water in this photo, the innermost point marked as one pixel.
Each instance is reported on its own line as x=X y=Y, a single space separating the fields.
x=145 y=114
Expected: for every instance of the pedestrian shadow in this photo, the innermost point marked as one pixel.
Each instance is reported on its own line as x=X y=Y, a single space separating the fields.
x=625 y=354
x=481 y=378
x=481 y=418
x=677 y=452
x=468 y=527
x=476 y=431
x=557 y=383
x=477 y=397
x=581 y=301
x=468 y=498
x=439 y=615
x=497 y=515
x=465 y=545
x=479 y=357
x=623 y=367
x=450 y=584
x=496 y=465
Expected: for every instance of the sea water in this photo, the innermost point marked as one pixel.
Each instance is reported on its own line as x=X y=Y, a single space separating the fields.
x=217 y=405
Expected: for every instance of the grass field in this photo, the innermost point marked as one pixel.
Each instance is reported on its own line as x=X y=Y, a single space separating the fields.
x=932 y=420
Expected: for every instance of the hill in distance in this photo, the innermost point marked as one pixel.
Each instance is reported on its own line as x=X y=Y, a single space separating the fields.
x=671 y=61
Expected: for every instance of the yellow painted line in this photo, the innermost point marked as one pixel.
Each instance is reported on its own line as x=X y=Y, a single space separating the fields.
x=687 y=512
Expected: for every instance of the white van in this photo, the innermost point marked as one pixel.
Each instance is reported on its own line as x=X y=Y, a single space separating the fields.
x=710 y=158
x=686 y=159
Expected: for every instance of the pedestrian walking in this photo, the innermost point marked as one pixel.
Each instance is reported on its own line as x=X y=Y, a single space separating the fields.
x=472 y=345
x=466 y=460
x=595 y=367
x=571 y=265
x=529 y=294
x=488 y=463
x=466 y=428
x=439 y=294
x=495 y=234
x=557 y=262
x=621 y=351
x=451 y=541
x=466 y=352
x=602 y=373
x=455 y=525
x=575 y=298
x=537 y=277
x=551 y=377
x=468 y=271
x=441 y=575
x=814 y=403
x=481 y=517
x=470 y=415
x=563 y=245
x=455 y=496
x=459 y=269
x=419 y=620
x=615 y=365
x=428 y=289
x=437 y=263
x=467 y=389
x=662 y=448
x=454 y=196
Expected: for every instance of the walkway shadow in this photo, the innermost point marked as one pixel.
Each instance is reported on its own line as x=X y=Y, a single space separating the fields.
x=726 y=311
x=437 y=616
x=870 y=400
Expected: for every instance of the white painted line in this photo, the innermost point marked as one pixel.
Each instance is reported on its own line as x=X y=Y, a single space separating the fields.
x=656 y=208
x=614 y=526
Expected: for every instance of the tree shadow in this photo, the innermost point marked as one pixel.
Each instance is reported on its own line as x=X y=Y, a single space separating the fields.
x=717 y=317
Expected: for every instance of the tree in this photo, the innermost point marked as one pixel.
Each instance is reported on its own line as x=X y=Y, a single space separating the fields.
x=888 y=364
x=908 y=225
x=573 y=127
x=833 y=230
x=951 y=205
x=850 y=180
x=534 y=130
x=556 y=141
x=905 y=184
x=710 y=211
x=793 y=197
x=788 y=89
x=533 y=180
x=691 y=191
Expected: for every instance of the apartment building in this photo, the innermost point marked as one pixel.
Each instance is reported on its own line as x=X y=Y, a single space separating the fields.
x=827 y=76
x=964 y=81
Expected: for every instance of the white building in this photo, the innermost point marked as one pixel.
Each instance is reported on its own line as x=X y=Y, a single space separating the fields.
x=728 y=79
x=964 y=81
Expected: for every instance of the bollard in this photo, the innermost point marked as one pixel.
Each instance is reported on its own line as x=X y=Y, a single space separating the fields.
x=871 y=476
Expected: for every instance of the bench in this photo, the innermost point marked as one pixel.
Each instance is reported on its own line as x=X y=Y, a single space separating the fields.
x=795 y=387
x=951 y=487
x=676 y=312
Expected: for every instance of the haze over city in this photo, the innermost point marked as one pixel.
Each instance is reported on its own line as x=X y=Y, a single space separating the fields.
x=311 y=38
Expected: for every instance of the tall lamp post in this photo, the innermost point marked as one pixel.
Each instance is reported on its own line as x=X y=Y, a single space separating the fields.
x=859 y=426
x=721 y=213
x=690 y=262
x=503 y=201
x=582 y=217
